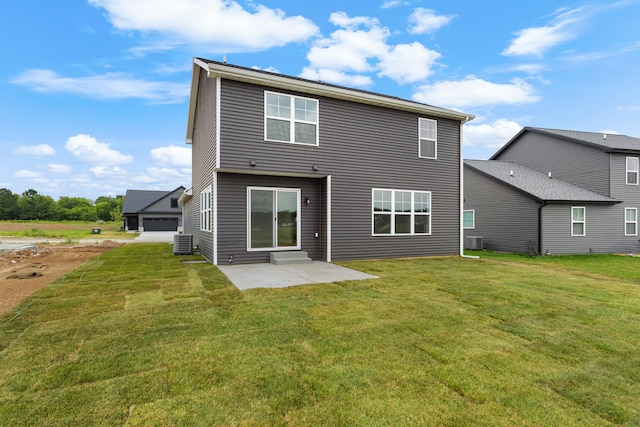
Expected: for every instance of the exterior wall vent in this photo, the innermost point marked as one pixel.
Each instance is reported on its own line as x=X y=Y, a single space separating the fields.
x=474 y=243
x=182 y=244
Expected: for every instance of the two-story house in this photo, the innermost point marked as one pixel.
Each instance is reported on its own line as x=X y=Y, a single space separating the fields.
x=282 y=163
x=556 y=191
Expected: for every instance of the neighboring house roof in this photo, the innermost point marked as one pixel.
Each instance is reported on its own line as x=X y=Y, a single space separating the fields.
x=316 y=87
x=609 y=142
x=138 y=200
x=535 y=183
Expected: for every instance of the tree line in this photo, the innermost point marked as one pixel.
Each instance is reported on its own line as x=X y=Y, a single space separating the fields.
x=33 y=206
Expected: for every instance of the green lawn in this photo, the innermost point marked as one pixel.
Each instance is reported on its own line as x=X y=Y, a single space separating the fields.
x=138 y=337
x=70 y=230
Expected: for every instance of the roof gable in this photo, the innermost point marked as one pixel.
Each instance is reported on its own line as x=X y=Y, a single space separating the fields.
x=536 y=184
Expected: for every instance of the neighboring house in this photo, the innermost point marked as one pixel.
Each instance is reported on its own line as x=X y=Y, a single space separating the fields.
x=286 y=164
x=570 y=192
x=146 y=210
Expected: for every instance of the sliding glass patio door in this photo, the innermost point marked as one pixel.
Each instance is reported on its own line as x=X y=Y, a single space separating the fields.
x=273 y=218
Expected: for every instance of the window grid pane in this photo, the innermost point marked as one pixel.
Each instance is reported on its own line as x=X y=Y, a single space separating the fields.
x=400 y=212
x=279 y=106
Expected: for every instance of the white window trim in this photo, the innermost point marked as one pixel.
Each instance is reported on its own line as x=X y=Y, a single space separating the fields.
x=473 y=214
x=298 y=191
x=634 y=222
x=636 y=171
x=205 y=209
x=392 y=213
x=435 y=140
x=292 y=119
x=583 y=222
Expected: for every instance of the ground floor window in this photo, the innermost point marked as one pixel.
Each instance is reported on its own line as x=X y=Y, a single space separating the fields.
x=578 y=221
x=398 y=212
x=205 y=209
x=631 y=222
x=469 y=219
x=273 y=218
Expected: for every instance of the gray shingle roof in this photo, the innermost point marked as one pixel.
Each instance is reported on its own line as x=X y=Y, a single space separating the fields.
x=535 y=183
x=136 y=200
x=611 y=141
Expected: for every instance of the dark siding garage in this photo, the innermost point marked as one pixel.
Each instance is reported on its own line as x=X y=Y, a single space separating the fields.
x=160 y=224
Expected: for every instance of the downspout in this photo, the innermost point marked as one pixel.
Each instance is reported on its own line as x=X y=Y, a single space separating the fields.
x=461 y=214
x=542 y=205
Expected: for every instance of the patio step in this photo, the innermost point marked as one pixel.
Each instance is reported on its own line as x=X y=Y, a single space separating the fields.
x=290 y=257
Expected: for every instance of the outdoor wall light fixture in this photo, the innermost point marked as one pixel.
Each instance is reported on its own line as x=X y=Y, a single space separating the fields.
x=253 y=162
x=307 y=200
x=315 y=167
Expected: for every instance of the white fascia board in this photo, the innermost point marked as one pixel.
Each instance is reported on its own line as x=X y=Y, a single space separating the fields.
x=318 y=88
x=193 y=98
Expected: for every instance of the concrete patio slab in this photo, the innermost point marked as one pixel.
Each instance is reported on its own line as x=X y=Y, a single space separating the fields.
x=250 y=276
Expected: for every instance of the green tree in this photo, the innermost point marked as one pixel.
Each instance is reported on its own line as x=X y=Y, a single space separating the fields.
x=36 y=206
x=109 y=208
x=8 y=204
x=76 y=209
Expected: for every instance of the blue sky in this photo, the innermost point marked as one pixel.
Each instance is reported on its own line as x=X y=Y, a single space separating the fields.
x=94 y=93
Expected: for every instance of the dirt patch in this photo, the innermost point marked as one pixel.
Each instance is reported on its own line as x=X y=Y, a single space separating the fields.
x=26 y=271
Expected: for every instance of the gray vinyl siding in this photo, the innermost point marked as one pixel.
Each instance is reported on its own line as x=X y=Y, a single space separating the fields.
x=604 y=230
x=191 y=217
x=361 y=147
x=630 y=196
x=203 y=152
x=581 y=165
x=505 y=218
x=232 y=215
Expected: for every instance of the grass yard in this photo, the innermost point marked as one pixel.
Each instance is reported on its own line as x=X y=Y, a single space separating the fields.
x=138 y=337
x=70 y=230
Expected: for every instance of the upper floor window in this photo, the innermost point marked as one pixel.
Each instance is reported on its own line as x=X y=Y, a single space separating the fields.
x=578 y=221
x=633 y=164
x=174 y=202
x=631 y=222
x=290 y=118
x=401 y=212
x=469 y=219
x=428 y=140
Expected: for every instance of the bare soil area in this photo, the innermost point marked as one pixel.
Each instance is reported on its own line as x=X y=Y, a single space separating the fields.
x=26 y=271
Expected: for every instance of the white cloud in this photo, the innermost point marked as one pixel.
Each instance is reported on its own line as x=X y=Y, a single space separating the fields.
x=359 y=47
x=490 y=135
x=172 y=155
x=425 y=21
x=336 y=76
x=102 y=171
x=23 y=173
x=57 y=168
x=220 y=25
x=87 y=149
x=408 y=63
x=473 y=92
x=536 y=40
x=167 y=177
x=394 y=3
x=599 y=56
x=35 y=150
x=104 y=86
